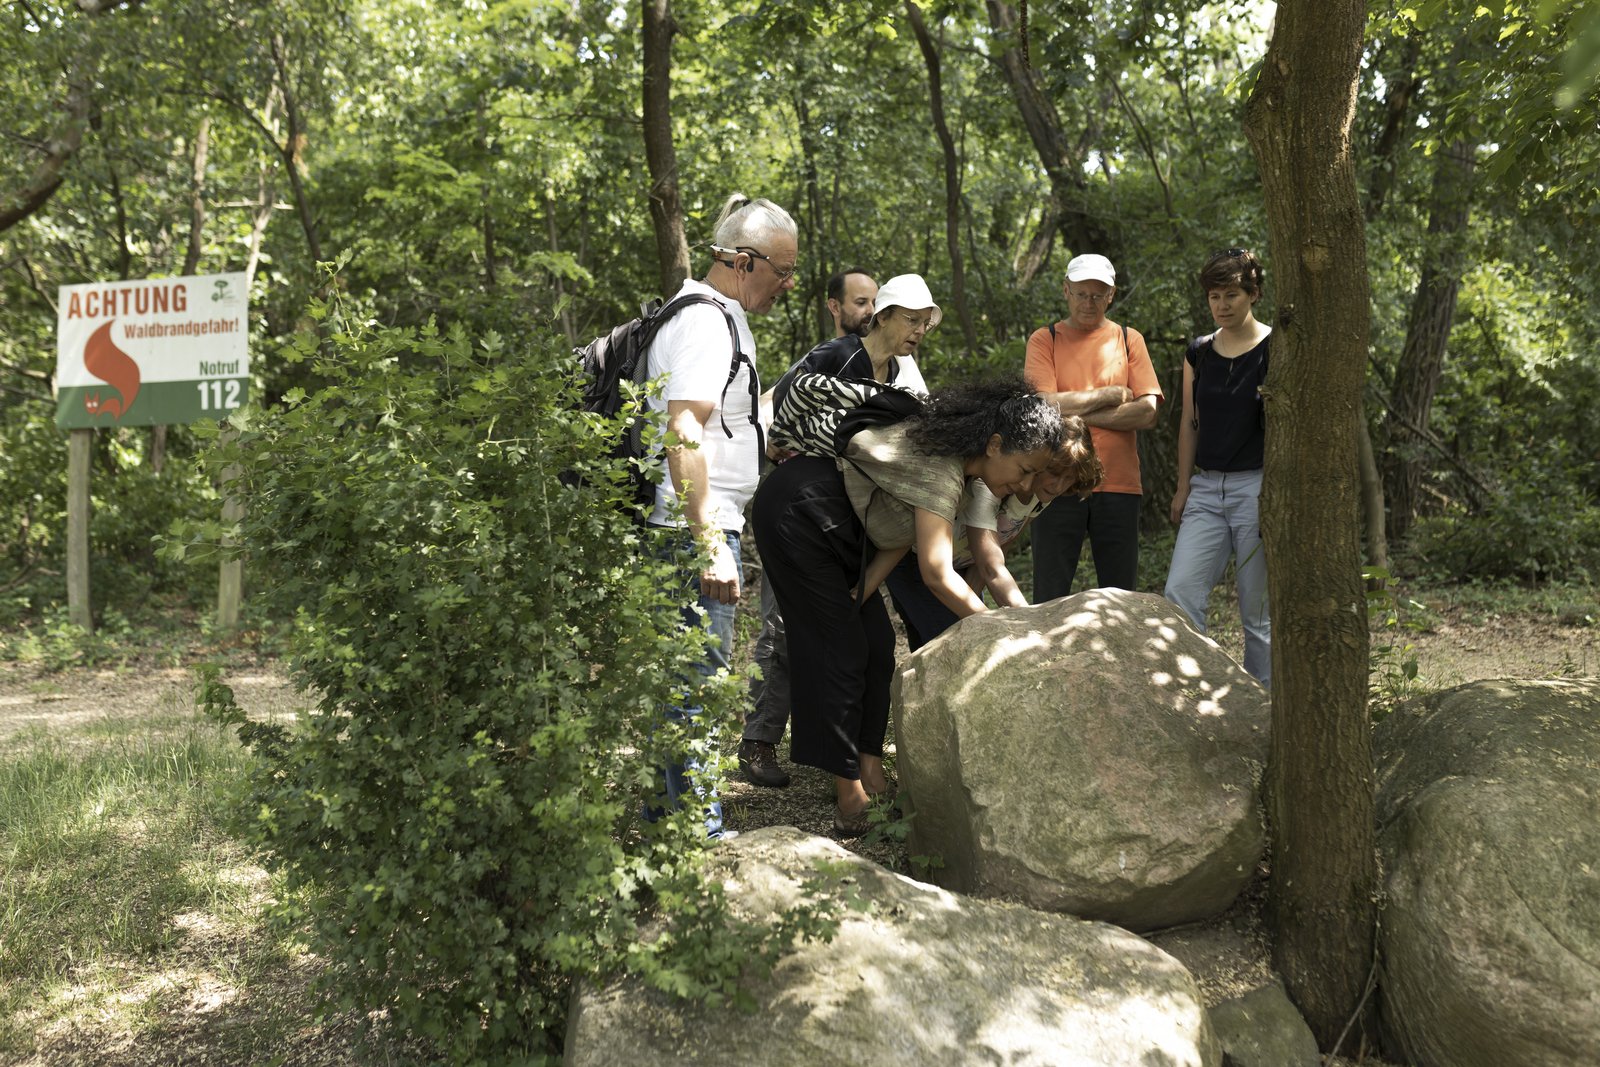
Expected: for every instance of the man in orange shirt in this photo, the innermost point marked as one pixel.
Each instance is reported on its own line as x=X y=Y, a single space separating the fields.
x=1092 y=367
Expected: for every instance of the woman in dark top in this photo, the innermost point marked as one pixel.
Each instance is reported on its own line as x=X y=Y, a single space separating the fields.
x=1221 y=446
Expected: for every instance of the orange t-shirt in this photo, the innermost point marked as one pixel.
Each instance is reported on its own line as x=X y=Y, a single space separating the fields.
x=1088 y=360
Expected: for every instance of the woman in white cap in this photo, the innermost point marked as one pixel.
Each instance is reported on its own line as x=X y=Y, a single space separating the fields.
x=902 y=314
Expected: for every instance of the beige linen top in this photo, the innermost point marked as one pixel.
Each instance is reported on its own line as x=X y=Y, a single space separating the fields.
x=887 y=479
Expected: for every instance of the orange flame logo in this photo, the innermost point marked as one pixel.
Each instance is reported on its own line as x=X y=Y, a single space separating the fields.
x=103 y=359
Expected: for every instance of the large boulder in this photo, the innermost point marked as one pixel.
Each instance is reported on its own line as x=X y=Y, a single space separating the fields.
x=1092 y=755
x=922 y=977
x=1489 y=827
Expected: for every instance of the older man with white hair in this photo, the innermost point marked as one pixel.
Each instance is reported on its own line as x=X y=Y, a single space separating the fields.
x=705 y=359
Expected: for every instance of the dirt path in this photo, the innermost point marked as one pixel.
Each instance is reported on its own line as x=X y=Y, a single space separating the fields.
x=33 y=701
x=1459 y=645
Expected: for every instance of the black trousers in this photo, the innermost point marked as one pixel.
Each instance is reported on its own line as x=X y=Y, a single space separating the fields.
x=1111 y=523
x=924 y=614
x=841 y=654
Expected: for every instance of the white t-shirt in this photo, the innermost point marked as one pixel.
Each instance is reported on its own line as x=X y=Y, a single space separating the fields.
x=908 y=376
x=982 y=510
x=693 y=353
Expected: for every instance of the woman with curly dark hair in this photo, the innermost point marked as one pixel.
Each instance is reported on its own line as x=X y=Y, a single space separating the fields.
x=986 y=525
x=831 y=530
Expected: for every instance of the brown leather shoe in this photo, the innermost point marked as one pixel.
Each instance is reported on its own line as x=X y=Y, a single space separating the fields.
x=759 y=762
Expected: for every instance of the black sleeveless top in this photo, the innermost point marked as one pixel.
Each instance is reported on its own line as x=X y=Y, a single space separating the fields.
x=1227 y=404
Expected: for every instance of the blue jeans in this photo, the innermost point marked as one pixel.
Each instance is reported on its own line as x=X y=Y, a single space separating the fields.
x=680 y=780
x=1221 y=520
x=1111 y=523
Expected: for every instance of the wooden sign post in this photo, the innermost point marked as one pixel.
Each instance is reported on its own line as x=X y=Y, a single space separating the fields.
x=79 y=445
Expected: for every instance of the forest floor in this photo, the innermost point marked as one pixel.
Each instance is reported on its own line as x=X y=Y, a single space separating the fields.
x=211 y=982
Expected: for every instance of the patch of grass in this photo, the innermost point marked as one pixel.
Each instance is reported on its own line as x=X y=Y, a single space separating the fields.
x=130 y=919
x=103 y=844
x=1571 y=603
x=169 y=632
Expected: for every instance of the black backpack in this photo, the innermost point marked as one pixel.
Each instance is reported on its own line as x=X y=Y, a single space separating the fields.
x=612 y=358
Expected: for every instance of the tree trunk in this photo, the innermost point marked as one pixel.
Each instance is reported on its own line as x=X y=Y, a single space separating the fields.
x=666 y=208
x=258 y=223
x=292 y=150
x=952 y=178
x=568 y=330
x=1403 y=87
x=1064 y=167
x=1433 y=311
x=485 y=195
x=191 y=255
x=120 y=210
x=1371 y=503
x=63 y=144
x=1038 y=250
x=1319 y=778
x=810 y=220
x=197 y=197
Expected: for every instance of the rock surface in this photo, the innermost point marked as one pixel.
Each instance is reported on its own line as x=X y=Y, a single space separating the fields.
x=922 y=978
x=1092 y=755
x=1489 y=827
x=1264 y=1029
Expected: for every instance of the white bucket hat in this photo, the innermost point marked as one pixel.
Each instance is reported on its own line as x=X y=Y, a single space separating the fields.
x=1091 y=268
x=910 y=292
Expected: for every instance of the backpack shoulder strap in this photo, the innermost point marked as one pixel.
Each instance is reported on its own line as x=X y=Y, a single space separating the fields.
x=658 y=317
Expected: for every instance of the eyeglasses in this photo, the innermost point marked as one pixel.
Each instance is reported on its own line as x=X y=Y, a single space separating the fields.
x=1231 y=253
x=783 y=275
x=918 y=322
x=1089 y=298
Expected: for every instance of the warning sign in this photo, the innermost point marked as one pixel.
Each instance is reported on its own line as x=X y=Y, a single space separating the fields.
x=146 y=353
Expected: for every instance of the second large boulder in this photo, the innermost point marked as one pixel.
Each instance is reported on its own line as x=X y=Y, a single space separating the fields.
x=914 y=977
x=1489 y=826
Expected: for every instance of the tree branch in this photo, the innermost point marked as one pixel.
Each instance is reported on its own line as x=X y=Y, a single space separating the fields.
x=101 y=7
x=59 y=150
x=1143 y=135
x=33 y=283
x=1476 y=480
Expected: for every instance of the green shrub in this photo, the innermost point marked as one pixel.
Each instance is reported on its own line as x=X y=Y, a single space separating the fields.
x=489 y=649
x=1540 y=527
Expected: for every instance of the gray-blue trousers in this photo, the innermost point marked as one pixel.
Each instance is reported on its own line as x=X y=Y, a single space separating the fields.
x=769 y=694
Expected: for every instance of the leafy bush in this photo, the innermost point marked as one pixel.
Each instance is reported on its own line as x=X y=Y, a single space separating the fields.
x=1539 y=527
x=489 y=649
x=132 y=505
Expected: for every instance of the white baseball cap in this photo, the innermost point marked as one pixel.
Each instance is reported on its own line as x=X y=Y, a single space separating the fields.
x=1091 y=268
x=910 y=292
